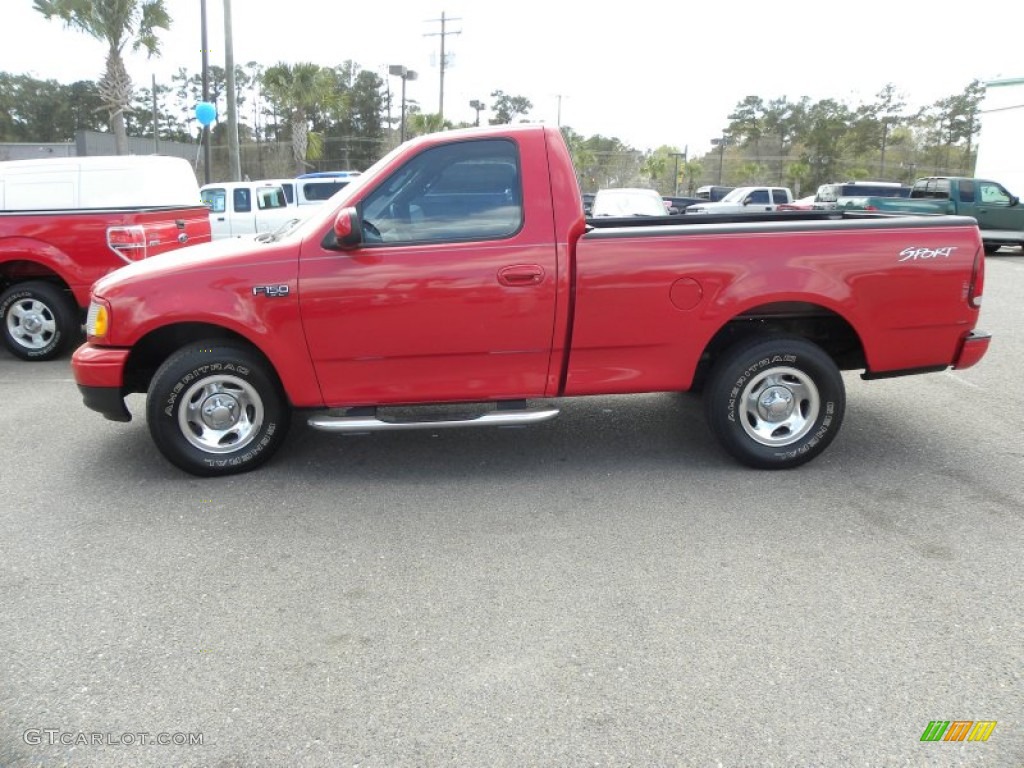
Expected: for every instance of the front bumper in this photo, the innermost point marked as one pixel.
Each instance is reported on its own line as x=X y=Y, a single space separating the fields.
x=99 y=373
x=972 y=349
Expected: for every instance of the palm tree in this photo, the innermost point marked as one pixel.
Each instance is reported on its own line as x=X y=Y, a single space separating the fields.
x=301 y=90
x=115 y=22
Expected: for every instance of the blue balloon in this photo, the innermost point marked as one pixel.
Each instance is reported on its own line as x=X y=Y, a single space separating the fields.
x=206 y=112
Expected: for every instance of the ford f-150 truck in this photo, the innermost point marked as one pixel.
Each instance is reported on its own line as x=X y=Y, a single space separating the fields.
x=747 y=200
x=66 y=222
x=999 y=214
x=460 y=270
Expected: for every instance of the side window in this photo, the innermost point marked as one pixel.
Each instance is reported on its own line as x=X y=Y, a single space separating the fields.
x=966 y=191
x=471 y=190
x=215 y=200
x=241 y=200
x=318 y=191
x=993 y=193
x=758 y=197
x=270 y=197
x=779 y=196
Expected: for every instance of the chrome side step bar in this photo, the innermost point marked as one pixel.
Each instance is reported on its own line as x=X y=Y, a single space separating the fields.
x=499 y=418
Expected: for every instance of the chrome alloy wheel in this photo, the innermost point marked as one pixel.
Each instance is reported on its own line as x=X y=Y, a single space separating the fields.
x=779 y=406
x=31 y=323
x=220 y=414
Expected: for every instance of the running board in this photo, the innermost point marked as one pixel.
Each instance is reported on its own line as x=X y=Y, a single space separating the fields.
x=500 y=418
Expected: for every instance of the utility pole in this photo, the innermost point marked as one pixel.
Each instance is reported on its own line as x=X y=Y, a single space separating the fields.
x=156 y=123
x=675 y=174
x=442 y=34
x=234 y=151
x=206 y=93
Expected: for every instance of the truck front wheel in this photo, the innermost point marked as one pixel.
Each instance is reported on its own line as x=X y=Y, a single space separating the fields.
x=775 y=403
x=216 y=409
x=39 y=320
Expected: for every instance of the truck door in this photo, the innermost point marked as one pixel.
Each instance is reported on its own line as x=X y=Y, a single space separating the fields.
x=451 y=296
x=994 y=212
x=758 y=200
x=216 y=199
x=243 y=216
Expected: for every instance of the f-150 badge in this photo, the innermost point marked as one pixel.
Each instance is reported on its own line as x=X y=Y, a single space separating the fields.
x=270 y=291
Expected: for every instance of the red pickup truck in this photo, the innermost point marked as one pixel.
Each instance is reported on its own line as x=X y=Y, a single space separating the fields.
x=461 y=269
x=66 y=222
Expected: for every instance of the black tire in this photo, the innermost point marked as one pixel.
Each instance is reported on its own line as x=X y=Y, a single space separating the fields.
x=217 y=409
x=39 y=320
x=775 y=402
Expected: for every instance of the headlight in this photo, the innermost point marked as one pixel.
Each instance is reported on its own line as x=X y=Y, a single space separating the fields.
x=97 y=321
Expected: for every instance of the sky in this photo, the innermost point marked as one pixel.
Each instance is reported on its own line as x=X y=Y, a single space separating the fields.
x=647 y=73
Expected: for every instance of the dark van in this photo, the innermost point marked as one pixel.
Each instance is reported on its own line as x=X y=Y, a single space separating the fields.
x=713 y=193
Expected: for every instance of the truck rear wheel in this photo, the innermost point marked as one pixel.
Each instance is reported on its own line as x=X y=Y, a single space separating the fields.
x=775 y=403
x=216 y=409
x=38 y=319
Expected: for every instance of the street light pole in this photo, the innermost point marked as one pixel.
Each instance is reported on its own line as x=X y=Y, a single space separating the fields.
x=478 y=106
x=406 y=74
x=675 y=176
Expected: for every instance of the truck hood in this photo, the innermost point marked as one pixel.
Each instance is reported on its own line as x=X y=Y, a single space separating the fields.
x=221 y=255
x=712 y=207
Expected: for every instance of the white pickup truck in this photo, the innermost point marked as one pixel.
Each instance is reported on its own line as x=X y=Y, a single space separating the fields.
x=747 y=200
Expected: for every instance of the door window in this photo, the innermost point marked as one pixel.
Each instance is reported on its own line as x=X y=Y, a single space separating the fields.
x=215 y=200
x=242 y=201
x=993 y=193
x=469 y=190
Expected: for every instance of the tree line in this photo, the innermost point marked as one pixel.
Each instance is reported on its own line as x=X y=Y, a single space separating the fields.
x=294 y=118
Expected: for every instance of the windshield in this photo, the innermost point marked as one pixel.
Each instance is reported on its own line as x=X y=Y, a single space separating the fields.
x=736 y=196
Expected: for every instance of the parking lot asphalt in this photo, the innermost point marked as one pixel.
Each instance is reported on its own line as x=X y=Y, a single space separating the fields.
x=604 y=589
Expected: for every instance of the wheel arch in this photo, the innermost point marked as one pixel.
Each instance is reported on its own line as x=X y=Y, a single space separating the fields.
x=824 y=326
x=14 y=270
x=150 y=351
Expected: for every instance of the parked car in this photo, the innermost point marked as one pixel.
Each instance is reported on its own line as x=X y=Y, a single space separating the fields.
x=803 y=204
x=828 y=196
x=747 y=200
x=315 y=189
x=66 y=222
x=628 y=201
x=999 y=214
x=712 y=193
x=588 y=203
x=240 y=208
x=676 y=205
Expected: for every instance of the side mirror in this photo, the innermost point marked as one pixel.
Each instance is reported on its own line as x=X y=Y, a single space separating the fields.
x=1014 y=200
x=347 y=230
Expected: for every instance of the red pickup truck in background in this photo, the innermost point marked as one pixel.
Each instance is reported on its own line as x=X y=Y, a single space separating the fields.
x=461 y=269
x=66 y=222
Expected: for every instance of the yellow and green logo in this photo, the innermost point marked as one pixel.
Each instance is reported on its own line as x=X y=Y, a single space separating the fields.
x=958 y=730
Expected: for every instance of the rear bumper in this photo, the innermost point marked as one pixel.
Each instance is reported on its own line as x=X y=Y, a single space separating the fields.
x=99 y=373
x=972 y=349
